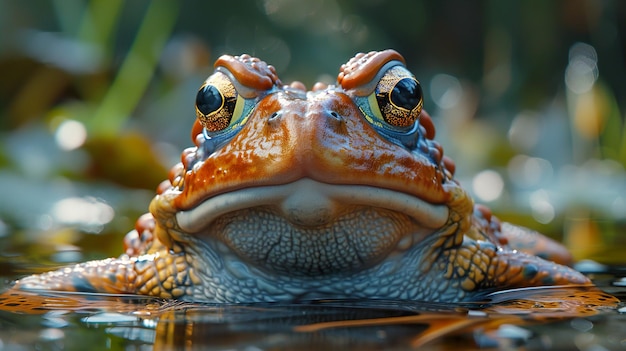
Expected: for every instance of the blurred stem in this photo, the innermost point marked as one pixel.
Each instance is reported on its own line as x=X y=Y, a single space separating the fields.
x=69 y=14
x=622 y=149
x=613 y=137
x=99 y=21
x=136 y=71
x=93 y=24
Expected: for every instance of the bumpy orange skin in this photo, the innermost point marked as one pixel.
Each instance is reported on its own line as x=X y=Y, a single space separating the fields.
x=451 y=250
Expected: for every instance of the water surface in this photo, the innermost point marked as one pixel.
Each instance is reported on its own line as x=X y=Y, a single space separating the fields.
x=536 y=319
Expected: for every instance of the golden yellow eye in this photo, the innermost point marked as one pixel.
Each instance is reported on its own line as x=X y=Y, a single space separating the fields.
x=217 y=103
x=399 y=97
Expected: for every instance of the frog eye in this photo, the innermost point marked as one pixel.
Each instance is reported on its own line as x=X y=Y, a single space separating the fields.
x=218 y=105
x=399 y=98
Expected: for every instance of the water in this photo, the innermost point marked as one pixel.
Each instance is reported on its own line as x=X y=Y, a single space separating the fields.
x=537 y=319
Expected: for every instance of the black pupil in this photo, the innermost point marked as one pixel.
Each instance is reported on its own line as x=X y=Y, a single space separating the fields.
x=208 y=99
x=406 y=94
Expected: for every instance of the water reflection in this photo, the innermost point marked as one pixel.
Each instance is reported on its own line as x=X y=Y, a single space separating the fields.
x=120 y=321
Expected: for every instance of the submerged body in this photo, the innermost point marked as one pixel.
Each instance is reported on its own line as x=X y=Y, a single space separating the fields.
x=338 y=192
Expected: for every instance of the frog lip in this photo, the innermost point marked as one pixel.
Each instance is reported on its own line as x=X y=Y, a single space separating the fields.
x=307 y=202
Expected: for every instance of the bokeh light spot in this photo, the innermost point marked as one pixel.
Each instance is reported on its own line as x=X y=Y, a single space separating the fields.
x=543 y=210
x=526 y=172
x=87 y=212
x=445 y=90
x=582 y=70
x=70 y=135
x=524 y=131
x=488 y=185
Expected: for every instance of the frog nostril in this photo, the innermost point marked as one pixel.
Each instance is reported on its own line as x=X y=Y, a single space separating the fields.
x=335 y=115
x=274 y=116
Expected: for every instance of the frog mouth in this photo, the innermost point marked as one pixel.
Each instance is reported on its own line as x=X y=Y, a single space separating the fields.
x=309 y=228
x=307 y=202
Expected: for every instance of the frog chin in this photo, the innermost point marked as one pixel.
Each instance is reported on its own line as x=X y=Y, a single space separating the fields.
x=311 y=228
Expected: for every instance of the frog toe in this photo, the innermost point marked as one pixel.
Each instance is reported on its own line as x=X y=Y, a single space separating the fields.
x=521 y=270
x=112 y=275
x=534 y=243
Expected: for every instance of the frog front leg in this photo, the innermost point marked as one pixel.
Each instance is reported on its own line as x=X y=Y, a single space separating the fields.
x=160 y=273
x=481 y=266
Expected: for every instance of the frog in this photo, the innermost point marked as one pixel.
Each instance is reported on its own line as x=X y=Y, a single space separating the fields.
x=340 y=191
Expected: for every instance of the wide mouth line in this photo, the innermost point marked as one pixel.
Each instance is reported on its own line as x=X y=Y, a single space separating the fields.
x=426 y=214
